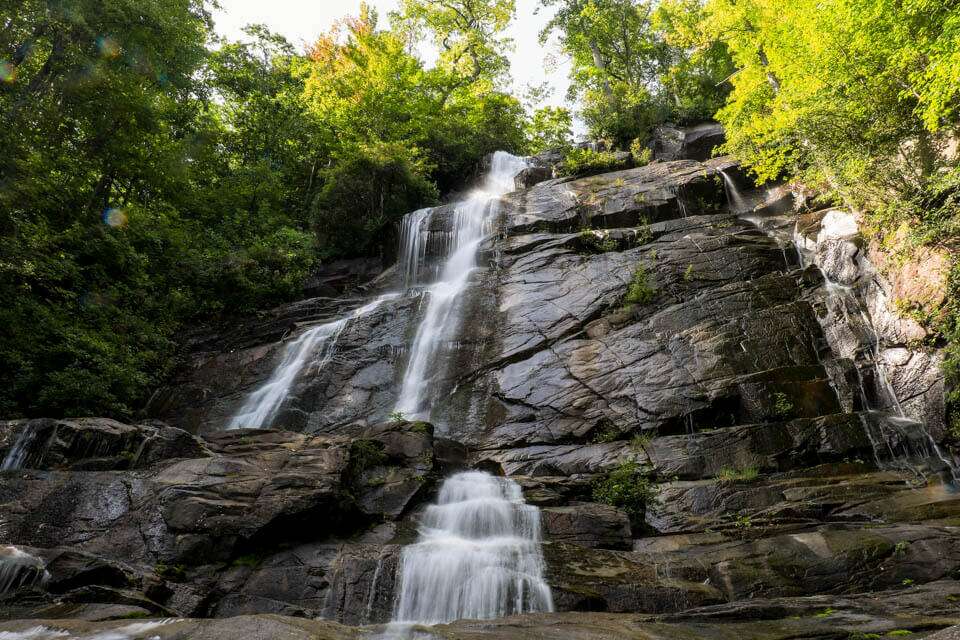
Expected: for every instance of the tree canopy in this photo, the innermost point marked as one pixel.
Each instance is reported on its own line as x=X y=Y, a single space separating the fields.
x=154 y=177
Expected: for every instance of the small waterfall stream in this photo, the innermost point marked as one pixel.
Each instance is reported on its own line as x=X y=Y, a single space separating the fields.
x=844 y=313
x=19 y=570
x=441 y=321
x=313 y=348
x=18 y=453
x=478 y=555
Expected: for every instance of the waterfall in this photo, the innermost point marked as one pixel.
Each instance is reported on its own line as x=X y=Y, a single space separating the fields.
x=478 y=555
x=19 y=569
x=18 y=453
x=413 y=245
x=735 y=199
x=315 y=347
x=441 y=320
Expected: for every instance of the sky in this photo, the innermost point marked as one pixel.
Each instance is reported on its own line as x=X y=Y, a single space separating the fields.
x=300 y=21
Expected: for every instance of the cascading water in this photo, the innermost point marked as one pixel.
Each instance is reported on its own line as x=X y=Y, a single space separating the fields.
x=735 y=199
x=478 y=555
x=441 y=321
x=17 y=454
x=20 y=570
x=852 y=335
x=313 y=348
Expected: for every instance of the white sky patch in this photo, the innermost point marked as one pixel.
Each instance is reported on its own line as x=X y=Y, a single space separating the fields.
x=301 y=21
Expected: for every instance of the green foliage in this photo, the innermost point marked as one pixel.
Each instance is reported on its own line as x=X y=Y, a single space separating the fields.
x=743 y=521
x=826 y=613
x=641 y=153
x=606 y=431
x=728 y=475
x=688 y=274
x=365 y=194
x=640 y=441
x=421 y=427
x=398 y=416
x=637 y=63
x=899 y=633
x=135 y=615
x=627 y=487
x=364 y=455
x=150 y=181
x=250 y=560
x=173 y=573
x=639 y=291
x=783 y=408
x=550 y=128
x=598 y=241
x=584 y=162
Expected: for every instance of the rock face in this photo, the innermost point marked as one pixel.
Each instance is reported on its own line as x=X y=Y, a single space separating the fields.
x=260 y=522
x=735 y=382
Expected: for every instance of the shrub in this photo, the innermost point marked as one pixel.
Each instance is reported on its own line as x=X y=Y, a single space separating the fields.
x=579 y=162
x=174 y=573
x=640 y=441
x=783 y=408
x=728 y=475
x=368 y=190
x=599 y=241
x=639 y=291
x=421 y=427
x=365 y=454
x=606 y=432
x=642 y=154
x=626 y=487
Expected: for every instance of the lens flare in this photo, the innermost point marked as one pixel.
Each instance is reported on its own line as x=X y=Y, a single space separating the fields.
x=8 y=72
x=109 y=48
x=115 y=218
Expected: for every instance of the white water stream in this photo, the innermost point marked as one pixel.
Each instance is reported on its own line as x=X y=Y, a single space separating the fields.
x=478 y=555
x=312 y=349
x=19 y=569
x=17 y=454
x=441 y=319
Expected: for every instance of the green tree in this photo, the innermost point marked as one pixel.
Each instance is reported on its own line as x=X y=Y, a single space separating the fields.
x=550 y=128
x=631 y=67
x=468 y=34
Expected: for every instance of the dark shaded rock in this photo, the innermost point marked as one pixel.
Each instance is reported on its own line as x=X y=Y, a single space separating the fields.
x=588 y=525
x=93 y=444
x=363 y=584
x=185 y=535
x=533 y=175
x=653 y=193
x=686 y=143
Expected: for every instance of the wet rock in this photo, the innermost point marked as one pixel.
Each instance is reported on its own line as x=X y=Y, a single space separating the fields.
x=598 y=580
x=533 y=175
x=653 y=193
x=182 y=535
x=686 y=143
x=91 y=444
x=363 y=583
x=588 y=525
